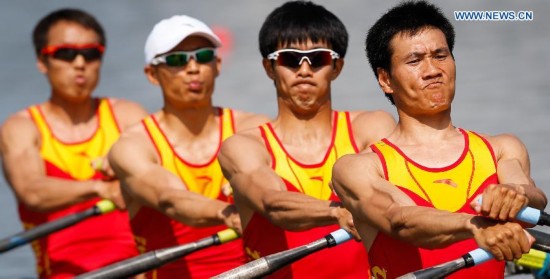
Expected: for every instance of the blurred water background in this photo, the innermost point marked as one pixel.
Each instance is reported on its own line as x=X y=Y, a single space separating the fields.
x=503 y=70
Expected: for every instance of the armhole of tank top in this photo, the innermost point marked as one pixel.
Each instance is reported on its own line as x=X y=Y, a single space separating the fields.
x=230 y=117
x=109 y=106
x=350 y=132
x=267 y=144
x=146 y=122
x=38 y=120
x=489 y=146
x=382 y=159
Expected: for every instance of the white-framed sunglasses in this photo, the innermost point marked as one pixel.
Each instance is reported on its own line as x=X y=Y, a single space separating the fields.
x=181 y=58
x=293 y=58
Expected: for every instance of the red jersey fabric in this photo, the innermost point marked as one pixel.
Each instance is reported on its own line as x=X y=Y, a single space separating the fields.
x=450 y=188
x=94 y=242
x=262 y=238
x=154 y=230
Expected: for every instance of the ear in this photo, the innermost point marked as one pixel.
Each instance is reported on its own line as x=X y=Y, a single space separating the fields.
x=337 y=68
x=384 y=81
x=151 y=74
x=269 y=68
x=218 y=66
x=41 y=65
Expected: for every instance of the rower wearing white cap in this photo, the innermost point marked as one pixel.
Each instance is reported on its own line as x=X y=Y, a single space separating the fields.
x=174 y=187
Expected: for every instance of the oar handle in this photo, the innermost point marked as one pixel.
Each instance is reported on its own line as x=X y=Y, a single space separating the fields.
x=477 y=256
x=227 y=235
x=529 y=215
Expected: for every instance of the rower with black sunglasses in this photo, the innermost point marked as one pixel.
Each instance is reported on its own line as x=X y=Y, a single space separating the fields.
x=176 y=192
x=280 y=172
x=48 y=150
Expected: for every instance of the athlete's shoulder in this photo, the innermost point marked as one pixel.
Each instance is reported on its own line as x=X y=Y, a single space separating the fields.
x=18 y=130
x=126 y=112
x=246 y=120
x=371 y=126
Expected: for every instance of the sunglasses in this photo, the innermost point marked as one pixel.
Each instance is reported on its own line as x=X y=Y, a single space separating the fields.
x=90 y=52
x=293 y=58
x=181 y=58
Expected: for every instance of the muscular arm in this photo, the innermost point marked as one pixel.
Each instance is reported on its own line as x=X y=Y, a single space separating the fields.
x=135 y=162
x=516 y=188
x=378 y=205
x=247 y=165
x=25 y=172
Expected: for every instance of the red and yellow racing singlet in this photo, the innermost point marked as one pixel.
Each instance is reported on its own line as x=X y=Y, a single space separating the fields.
x=262 y=238
x=450 y=188
x=154 y=230
x=97 y=241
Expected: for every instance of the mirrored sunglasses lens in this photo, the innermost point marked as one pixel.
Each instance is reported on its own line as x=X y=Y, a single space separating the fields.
x=177 y=59
x=320 y=58
x=289 y=59
x=204 y=56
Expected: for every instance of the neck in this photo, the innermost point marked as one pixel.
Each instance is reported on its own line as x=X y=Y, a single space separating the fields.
x=70 y=111
x=292 y=127
x=420 y=130
x=190 y=121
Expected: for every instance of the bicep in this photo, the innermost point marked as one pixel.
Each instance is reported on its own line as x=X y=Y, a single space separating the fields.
x=513 y=164
x=137 y=166
x=247 y=166
x=360 y=184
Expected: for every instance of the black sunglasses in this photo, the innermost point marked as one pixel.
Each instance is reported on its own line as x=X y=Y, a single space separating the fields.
x=90 y=52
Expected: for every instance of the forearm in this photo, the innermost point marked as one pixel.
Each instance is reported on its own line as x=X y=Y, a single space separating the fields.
x=430 y=228
x=48 y=194
x=190 y=208
x=536 y=196
x=298 y=212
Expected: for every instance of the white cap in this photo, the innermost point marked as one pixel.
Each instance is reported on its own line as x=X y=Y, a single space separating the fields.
x=168 y=33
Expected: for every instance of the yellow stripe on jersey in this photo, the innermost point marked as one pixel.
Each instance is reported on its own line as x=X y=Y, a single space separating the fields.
x=312 y=179
x=446 y=188
x=75 y=158
x=206 y=179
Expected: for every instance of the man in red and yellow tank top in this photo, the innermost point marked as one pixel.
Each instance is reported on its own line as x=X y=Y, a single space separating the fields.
x=48 y=150
x=414 y=196
x=280 y=172
x=176 y=191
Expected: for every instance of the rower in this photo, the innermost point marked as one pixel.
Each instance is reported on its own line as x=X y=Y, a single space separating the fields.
x=175 y=190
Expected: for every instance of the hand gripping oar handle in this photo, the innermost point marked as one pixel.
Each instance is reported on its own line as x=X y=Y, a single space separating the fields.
x=271 y=263
x=24 y=237
x=474 y=257
x=530 y=215
x=159 y=257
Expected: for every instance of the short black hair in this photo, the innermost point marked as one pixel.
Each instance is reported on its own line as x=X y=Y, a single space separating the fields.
x=409 y=17
x=42 y=28
x=299 y=21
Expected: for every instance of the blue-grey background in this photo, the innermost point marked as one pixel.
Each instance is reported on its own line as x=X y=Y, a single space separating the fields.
x=503 y=70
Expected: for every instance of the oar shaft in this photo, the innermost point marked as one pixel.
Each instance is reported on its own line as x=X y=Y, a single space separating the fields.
x=158 y=258
x=45 y=229
x=271 y=263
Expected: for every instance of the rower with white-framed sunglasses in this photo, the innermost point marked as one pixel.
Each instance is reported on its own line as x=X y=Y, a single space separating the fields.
x=280 y=171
